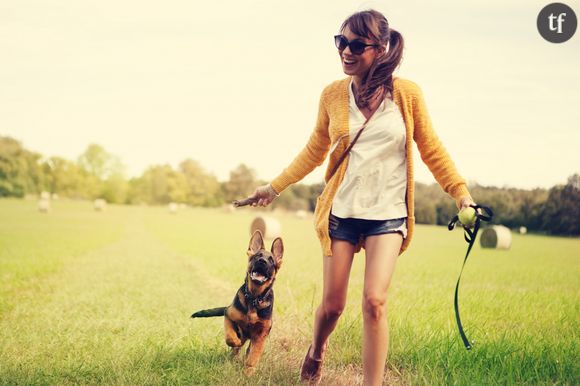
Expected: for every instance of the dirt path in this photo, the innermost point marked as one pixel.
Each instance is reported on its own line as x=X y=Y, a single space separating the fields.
x=100 y=307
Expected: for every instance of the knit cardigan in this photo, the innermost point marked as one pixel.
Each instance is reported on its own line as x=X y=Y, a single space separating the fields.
x=332 y=132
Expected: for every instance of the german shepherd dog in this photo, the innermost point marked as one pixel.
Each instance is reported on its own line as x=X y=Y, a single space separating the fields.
x=250 y=314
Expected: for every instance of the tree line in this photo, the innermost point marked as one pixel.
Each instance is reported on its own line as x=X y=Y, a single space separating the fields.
x=99 y=174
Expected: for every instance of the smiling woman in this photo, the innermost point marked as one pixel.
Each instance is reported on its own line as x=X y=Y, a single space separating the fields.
x=368 y=199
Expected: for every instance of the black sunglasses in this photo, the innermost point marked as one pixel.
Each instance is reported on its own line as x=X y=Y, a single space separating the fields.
x=356 y=46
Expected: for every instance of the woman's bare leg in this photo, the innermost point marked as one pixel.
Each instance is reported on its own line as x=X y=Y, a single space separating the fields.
x=336 y=272
x=381 y=256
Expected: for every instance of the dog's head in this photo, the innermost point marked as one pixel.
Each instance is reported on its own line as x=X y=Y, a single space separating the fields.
x=263 y=265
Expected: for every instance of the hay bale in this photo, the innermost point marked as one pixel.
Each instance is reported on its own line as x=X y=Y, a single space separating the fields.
x=301 y=214
x=172 y=207
x=523 y=230
x=496 y=236
x=228 y=208
x=44 y=205
x=44 y=195
x=100 y=204
x=269 y=226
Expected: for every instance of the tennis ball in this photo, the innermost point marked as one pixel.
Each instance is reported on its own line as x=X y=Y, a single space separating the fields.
x=467 y=217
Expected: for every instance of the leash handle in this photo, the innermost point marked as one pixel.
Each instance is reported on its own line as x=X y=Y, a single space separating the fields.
x=244 y=202
x=470 y=237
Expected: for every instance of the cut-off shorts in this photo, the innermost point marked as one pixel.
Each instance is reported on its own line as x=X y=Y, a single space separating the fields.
x=355 y=229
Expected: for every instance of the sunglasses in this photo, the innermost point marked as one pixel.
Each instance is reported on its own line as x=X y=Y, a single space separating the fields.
x=356 y=46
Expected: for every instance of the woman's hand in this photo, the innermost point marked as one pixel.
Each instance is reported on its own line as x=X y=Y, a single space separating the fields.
x=264 y=195
x=467 y=202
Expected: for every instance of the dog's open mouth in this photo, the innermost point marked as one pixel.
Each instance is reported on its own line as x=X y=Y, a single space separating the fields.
x=259 y=274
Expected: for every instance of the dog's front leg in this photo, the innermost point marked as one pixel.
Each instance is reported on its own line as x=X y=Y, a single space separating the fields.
x=254 y=353
x=233 y=334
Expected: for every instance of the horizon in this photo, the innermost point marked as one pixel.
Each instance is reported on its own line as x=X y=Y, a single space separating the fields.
x=470 y=183
x=237 y=83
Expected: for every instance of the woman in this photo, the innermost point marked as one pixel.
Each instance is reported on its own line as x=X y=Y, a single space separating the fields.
x=369 y=199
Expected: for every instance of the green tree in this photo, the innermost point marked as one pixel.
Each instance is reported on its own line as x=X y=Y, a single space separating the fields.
x=425 y=210
x=241 y=184
x=138 y=192
x=292 y=199
x=427 y=199
x=103 y=174
x=156 y=178
x=97 y=161
x=561 y=212
x=203 y=188
x=20 y=171
x=159 y=184
x=115 y=189
x=64 y=177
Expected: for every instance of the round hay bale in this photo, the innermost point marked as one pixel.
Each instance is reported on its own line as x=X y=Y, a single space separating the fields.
x=228 y=208
x=301 y=214
x=100 y=204
x=523 y=230
x=172 y=207
x=44 y=205
x=496 y=236
x=44 y=195
x=269 y=226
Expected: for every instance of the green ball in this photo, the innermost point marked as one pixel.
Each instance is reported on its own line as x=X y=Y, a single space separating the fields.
x=467 y=217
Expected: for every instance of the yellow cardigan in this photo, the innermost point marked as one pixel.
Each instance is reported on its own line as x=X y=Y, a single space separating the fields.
x=332 y=132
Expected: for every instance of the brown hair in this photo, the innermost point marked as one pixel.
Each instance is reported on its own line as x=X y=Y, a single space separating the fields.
x=374 y=25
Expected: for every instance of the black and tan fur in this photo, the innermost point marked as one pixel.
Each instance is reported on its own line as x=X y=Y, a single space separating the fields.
x=249 y=317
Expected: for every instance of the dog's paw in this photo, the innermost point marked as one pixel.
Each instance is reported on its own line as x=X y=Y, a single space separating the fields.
x=235 y=351
x=233 y=342
x=249 y=371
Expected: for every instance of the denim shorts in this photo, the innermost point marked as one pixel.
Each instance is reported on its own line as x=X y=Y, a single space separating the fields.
x=355 y=229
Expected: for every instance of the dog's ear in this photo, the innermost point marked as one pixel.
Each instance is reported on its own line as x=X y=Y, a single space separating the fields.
x=256 y=243
x=278 y=251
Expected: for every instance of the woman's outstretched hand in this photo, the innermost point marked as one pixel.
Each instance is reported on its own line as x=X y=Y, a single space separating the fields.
x=467 y=202
x=263 y=195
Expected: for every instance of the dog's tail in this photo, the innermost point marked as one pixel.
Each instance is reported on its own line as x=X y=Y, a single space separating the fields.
x=220 y=311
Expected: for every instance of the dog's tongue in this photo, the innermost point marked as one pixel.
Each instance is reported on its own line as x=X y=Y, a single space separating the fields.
x=258 y=276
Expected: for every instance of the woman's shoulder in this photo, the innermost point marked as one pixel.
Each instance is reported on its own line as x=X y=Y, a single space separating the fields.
x=406 y=86
x=336 y=86
x=340 y=87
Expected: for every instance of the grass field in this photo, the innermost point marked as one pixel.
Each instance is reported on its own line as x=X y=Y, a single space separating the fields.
x=105 y=298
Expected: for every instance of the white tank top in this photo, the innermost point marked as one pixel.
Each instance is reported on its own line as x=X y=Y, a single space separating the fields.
x=375 y=183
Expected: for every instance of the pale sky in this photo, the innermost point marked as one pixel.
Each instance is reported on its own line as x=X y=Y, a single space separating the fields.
x=226 y=82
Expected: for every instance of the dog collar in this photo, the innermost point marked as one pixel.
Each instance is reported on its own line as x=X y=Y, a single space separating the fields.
x=255 y=300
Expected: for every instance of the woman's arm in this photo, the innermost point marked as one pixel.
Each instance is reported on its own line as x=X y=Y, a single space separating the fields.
x=434 y=154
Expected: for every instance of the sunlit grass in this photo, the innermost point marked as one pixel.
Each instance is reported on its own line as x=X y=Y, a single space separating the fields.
x=105 y=298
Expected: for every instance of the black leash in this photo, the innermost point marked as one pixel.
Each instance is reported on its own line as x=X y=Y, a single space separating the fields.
x=470 y=238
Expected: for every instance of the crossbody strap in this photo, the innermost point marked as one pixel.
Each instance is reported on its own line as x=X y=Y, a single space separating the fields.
x=345 y=153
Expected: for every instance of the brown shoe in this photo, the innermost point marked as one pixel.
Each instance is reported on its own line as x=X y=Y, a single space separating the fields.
x=311 y=369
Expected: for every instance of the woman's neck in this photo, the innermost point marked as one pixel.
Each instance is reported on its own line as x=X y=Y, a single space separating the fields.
x=356 y=83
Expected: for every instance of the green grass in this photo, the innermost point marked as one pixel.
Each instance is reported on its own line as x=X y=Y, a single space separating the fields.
x=105 y=298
